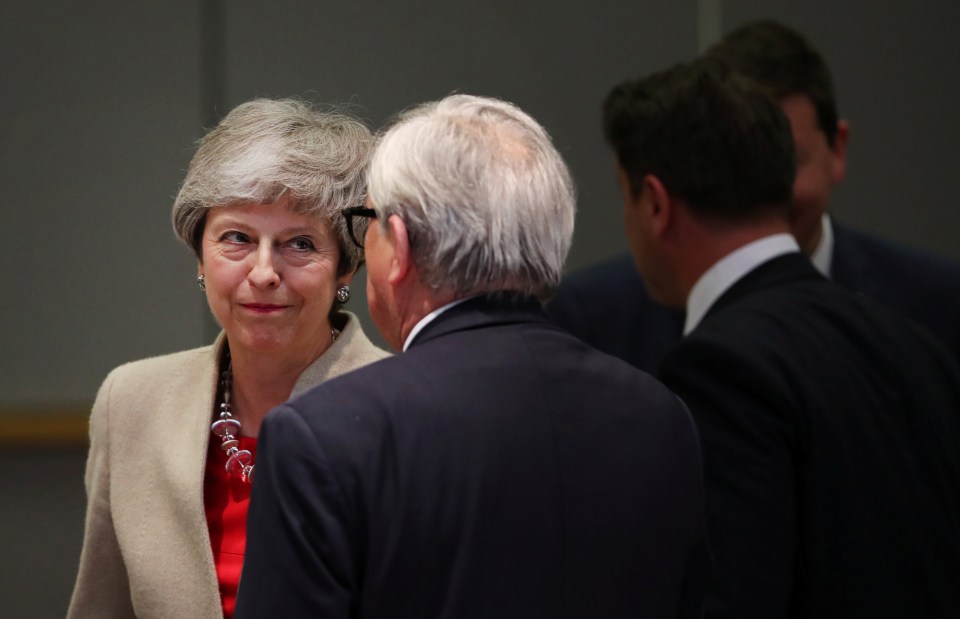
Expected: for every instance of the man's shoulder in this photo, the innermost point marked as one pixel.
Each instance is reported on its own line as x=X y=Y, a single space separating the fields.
x=351 y=388
x=917 y=284
x=810 y=324
x=754 y=324
x=443 y=368
x=913 y=266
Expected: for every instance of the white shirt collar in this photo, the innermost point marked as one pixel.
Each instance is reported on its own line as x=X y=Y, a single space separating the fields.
x=822 y=256
x=423 y=322
x=726 y=271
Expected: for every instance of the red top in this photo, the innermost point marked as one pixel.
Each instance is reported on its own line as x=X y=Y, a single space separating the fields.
x=225 y=499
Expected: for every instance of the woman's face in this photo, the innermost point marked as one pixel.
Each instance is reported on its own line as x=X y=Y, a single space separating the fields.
x=271 y=275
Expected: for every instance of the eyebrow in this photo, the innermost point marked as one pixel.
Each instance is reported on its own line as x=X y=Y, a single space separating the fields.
x=231 y=222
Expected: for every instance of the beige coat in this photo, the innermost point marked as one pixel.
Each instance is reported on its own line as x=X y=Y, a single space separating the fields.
x=146 y=549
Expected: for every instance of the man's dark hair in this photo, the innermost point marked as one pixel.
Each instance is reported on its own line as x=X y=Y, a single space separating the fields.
x=785 y=63
x=712 y=137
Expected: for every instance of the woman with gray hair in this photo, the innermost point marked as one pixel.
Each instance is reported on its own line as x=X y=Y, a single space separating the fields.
x=173 y=438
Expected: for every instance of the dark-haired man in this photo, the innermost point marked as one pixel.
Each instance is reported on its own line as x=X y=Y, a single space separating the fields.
x=607 y=305
x=830 y=426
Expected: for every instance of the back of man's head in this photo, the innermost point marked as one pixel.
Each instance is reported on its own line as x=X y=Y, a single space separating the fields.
x=714 y=139
x=487 y=200
x=785 y=63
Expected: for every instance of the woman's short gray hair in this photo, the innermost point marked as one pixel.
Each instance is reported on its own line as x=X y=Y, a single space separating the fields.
x=487 y=200
x=267 y=149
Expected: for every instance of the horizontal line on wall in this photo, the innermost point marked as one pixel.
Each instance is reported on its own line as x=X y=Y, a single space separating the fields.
x=35 y=429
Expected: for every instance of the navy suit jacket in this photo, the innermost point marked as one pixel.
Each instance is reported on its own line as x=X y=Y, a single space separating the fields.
x=607 y=305
x=498 y=468
x=830 y=428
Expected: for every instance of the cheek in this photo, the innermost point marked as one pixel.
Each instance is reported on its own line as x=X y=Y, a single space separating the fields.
x=315 y=286
x=814 y=180
x=220 y=281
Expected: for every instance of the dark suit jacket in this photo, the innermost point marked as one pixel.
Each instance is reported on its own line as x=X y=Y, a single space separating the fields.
x=608 y=307
x=498 y=468
x=830 y=429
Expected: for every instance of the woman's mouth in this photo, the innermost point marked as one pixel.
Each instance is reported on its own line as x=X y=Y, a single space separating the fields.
x=263 y=308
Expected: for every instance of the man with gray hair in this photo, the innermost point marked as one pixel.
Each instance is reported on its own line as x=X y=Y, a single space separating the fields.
x=498 y=467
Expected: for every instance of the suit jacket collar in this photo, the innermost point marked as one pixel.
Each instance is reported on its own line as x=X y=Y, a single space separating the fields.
x=482 y=311
x=725 y=272
x=783 y=269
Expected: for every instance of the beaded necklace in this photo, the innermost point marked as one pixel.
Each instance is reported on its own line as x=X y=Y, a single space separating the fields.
x=239 y=461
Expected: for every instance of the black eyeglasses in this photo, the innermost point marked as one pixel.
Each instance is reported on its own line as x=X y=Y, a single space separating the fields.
x=358 y=231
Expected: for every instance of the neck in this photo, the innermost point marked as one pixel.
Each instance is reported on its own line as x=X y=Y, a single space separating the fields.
x=809 y=244
x=419 y=303
x=262 y=382
x=712 y=242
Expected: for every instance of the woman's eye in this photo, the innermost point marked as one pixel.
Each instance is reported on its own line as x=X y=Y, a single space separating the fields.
x=233 y=236
x=301 y=244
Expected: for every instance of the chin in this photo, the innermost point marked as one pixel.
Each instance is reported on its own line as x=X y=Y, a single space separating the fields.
x=261 y=341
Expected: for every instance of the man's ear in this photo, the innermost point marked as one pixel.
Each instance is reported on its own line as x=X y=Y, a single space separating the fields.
x=401 y=262
x=839 y=151
x=657 y=204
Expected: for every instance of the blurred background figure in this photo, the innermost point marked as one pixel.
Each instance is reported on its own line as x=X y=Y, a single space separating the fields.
x=498 y=467
x=173 y=438
x=607 y=305
x=829 y=424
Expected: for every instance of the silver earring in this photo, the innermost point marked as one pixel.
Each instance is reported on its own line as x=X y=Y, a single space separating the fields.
x=343 y=294
x=202 y=282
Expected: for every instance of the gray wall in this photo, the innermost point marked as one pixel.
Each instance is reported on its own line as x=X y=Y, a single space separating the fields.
x=894 y=69
x=98 y=116
x=104 y=100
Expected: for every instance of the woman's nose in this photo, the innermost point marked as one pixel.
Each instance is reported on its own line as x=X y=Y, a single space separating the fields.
x=264 y=273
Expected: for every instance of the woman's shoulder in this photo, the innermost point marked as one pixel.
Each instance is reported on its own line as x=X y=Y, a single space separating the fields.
x=177 y=362
x=161 y=371
x=361 y=350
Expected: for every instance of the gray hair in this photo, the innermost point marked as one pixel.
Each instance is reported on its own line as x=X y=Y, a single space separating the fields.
x=266 y=149
x=487 y=200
